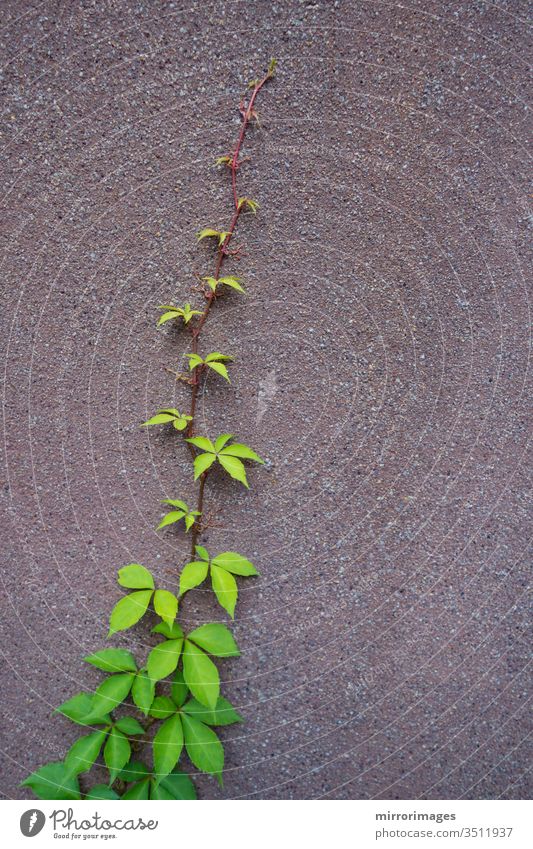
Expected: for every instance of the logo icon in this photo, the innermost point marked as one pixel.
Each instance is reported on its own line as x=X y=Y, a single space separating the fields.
x=32 y=822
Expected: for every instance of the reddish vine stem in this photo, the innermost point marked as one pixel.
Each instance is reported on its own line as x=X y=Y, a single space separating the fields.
x=247 y=112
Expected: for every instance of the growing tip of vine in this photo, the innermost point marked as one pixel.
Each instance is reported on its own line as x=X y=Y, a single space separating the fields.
x=272 y=67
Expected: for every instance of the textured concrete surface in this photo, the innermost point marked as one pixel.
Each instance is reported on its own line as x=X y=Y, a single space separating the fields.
x=382 y=368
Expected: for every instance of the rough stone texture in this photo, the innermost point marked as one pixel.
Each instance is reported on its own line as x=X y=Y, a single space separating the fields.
x=382 y=369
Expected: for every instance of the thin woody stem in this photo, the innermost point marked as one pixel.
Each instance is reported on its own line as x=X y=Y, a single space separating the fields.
x=222 y=252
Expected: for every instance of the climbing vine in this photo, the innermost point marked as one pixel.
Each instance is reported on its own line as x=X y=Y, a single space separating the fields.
x=170 y=702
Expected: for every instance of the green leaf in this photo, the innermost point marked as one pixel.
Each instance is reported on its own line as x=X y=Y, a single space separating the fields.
x=234 y=467
x=159 y=418
x=176 y=502
x=235 y=563
x=134 y=771
x=216 y=639
x=80 y=710
x=129 y=610
x=167 y=746
x=192 y=575
x=112 y=692
x=170 y=518
x=163 y=659
x=178 y=786
x=223 y=714
x=179 y=689
x=53 y=781
x=142 y=691
x=129 y=725
x=225 y=588
x=167 y=316
x=216 y=356
x=200 y=675
x=233 y=282
x=207 y=233
x=201 y=442
x=101 y=792
x=162 y=707
x=135 y=577
x=203 y=746
x=201 y=463
x=221 y=441
x=165 y=605
x=117 y=753
x=221 y=369
x=201 y=552
x=181 y=423
x=81 y=756
x=141 y=790
x=113 y=660
x=172 y=632
x=242 y=451
x=194 y=361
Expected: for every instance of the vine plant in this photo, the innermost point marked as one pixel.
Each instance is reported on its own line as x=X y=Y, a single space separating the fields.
x=170 y=702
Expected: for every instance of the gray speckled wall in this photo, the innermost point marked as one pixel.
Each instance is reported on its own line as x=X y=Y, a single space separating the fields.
x=382 y=369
